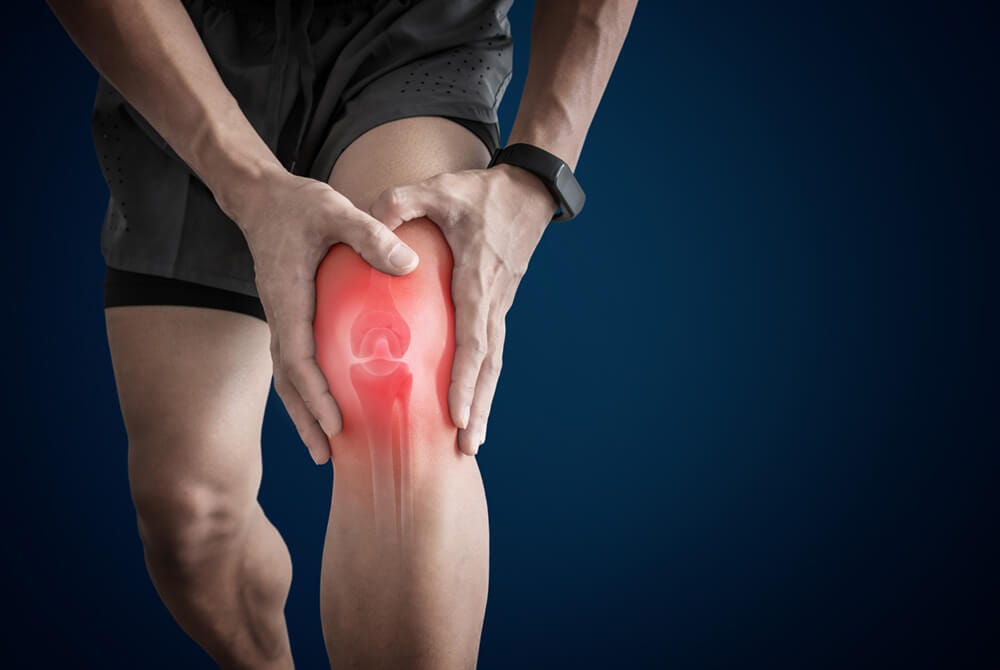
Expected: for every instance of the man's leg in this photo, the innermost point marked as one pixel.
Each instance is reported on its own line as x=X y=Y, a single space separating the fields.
x=193 y=383
x=405 y=567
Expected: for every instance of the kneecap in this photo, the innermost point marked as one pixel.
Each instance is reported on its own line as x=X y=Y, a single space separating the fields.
x=386 y=343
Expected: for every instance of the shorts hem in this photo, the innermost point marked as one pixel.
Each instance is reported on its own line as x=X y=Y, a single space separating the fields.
x=123 y=288
x=359 y=123
x=194 y=276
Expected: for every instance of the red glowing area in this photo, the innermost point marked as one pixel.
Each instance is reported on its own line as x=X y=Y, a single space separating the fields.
x=386 y=345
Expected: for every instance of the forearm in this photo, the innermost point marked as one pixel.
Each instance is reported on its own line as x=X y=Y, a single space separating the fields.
x=574 y=46
x=152 y=54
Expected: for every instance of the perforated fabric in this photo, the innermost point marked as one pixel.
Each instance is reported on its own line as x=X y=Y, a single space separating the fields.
x=311 y=76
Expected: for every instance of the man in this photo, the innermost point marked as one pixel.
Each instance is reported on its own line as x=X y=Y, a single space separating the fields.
x=240 y=142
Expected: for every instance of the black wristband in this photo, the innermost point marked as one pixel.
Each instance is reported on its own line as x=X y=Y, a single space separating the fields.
x=553 y=172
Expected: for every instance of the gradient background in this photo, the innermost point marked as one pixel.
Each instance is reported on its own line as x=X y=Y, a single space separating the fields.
x=749 y=411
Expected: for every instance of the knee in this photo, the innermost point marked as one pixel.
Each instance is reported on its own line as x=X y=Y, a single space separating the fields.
x=187 y=519
x=386 y=343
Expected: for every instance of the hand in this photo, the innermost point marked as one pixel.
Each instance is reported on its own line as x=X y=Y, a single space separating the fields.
x=290 y=223
x=493 y=220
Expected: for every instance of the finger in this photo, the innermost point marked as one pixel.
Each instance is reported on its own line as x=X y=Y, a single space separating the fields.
x=471 y=313
x=470 y=439
x=305 y=423
x=298 y=354
x=310 y=382
x=378 y=245
x=397 y=204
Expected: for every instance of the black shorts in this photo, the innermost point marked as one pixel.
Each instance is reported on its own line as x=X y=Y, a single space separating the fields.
x=311 y=77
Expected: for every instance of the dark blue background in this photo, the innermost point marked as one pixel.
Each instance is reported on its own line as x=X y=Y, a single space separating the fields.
x=749 y=410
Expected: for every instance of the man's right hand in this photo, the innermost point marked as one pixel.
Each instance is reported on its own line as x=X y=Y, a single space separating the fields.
x=290 y=223
x=153 y=55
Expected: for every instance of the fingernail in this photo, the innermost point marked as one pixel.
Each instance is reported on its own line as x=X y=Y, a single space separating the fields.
x=475 y=450
x=402 y=257
x=482 y=438
x=463 y=417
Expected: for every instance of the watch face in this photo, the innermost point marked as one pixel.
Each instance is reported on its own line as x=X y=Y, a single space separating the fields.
x=570 y=190
x=559 y=178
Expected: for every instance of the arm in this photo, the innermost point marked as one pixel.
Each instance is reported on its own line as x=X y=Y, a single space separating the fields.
x=150 y=51
x=493 y=219
x=574 y=46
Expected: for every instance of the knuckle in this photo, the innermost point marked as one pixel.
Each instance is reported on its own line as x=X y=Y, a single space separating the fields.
x=392 y=198
x=453 y=213
x=468 y=296
x=305 y=434
x=304 y=424
x=473 y=336
x=373 y=235
x=297 y=359
x=493 y=365
x=476 y=344
x=300 y=379
x=294 y=375
x=442 y=181
x=359 y=234
x=280 y=385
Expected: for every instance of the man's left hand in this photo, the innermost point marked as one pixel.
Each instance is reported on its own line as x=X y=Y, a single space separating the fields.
x=492 y=219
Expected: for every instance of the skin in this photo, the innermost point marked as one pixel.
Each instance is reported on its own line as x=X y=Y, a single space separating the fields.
x=414 y=589
x=193 y=383
x=392 y=599
x=152 y=54
x=219 y=565
x=490 y=218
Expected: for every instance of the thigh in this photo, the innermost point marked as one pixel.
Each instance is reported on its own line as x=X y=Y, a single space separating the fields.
x=192 y=384
x=403 y=152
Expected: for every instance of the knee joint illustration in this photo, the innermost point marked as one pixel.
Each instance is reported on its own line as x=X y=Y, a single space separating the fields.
x=383 y=382
x=386 y=345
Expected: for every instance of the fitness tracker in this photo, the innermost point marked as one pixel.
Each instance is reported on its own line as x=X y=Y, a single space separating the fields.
x=553 y=172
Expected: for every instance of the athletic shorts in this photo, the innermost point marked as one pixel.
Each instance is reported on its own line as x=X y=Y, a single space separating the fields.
x=311 y=76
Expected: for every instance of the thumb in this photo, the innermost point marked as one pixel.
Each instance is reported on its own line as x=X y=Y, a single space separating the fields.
x=378 y=245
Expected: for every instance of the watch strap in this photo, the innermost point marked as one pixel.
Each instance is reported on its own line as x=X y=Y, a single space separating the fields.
x=551 y=170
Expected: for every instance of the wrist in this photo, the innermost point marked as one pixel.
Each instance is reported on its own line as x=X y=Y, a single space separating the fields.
x=238 y=191
x=234 y=163
x=530 y=186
